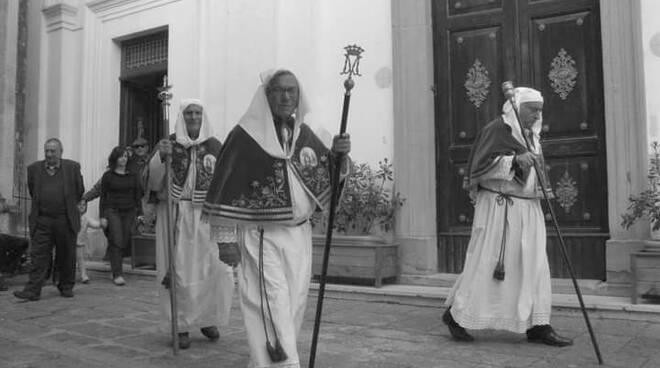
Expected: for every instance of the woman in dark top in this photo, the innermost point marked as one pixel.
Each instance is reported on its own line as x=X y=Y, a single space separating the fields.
x=120 y=202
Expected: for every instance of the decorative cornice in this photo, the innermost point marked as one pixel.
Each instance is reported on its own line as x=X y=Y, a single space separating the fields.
x=61 y=14
x=110 y=9
x=98 y=6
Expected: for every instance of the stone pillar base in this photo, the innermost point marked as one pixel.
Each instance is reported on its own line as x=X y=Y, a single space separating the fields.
x=618 y=259
x=418 y=255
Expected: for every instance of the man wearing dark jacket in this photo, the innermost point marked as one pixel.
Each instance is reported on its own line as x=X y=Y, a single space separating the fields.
x=56 y=187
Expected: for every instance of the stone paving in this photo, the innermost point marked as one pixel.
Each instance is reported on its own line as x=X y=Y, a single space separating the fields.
x=110 y=326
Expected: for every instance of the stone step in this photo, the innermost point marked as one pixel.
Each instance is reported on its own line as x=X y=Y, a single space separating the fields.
x=433 y=295
x=559 y=286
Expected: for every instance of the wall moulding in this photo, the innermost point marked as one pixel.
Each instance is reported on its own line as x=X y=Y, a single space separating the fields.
x=61 y=15
x=111 y=9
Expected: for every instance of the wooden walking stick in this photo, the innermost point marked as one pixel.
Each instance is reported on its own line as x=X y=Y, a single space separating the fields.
x=351 y=67
x=509 y=93
x=165 y=95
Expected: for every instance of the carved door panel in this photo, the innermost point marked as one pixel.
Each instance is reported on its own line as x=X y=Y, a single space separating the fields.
x=553 y=46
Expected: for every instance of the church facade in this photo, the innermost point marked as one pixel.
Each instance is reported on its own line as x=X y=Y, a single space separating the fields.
x=89 y=71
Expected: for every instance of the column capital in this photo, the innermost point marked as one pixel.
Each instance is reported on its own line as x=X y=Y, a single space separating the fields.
x=61 y=14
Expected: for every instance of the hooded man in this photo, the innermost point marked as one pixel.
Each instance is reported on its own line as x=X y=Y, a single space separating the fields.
x=505 y=282
x=272 y=174
x=204 y=285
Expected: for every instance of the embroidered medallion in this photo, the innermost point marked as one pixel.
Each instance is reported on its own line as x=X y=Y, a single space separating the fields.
x=562 y=74
x=477 y=83
x=266 y=195
x=205 y=166
x=566 y=192
x=307 y=157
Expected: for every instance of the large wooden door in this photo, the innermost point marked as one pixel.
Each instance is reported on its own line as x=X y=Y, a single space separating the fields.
x=141 y=113
x=555 y=47
x=143 y=66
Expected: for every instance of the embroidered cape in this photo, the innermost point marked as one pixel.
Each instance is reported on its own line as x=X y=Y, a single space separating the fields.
x=251 y=185
x=494 y=140
x=181 y=157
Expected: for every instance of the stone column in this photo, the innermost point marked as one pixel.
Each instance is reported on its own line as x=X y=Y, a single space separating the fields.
x=61 y=81
x=9 y=29
x=625 y=127
x=414 y=135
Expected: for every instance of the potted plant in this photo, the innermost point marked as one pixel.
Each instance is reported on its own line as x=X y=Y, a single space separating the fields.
x=363 y=249
x=645 y=265
x=647 y=203
x=144 y=242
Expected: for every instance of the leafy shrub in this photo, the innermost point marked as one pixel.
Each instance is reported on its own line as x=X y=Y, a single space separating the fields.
x=368 y=203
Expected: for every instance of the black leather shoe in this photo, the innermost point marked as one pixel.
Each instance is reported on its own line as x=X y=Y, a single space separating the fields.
x=184 y=340
x=456 y=331
x=545 y=334
x=211 y=333
x=66 y=293
x=26 y=295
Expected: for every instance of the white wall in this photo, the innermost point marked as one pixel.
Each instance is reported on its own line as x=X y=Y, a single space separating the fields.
x=8 y=44
x=217 y=50
x=651 y=47
x=307 y=37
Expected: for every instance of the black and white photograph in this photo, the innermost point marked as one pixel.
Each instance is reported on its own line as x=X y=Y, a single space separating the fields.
x=329 y=183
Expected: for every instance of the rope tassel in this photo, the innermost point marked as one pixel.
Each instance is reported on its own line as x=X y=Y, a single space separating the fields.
x=276 y=353
x=502 y=199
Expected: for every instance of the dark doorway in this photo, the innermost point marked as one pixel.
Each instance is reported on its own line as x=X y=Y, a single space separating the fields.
x=144 y=64
x=550 y=45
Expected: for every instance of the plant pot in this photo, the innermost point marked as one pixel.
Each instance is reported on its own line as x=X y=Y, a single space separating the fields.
x=363 y=260
x=652 y=246
x=655 y=234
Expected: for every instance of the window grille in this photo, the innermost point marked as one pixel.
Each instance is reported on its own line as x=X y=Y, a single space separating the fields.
x=144 y=53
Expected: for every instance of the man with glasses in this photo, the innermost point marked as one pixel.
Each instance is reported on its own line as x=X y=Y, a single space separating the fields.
x=272 y=173
x=140 y=156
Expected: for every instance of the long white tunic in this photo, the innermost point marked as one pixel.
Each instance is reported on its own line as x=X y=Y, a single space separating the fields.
x=204 y=284
x=287 y=252
x=523 y=298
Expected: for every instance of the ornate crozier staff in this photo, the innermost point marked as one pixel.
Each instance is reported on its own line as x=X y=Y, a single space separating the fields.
x=165 y=95
x=351 y=67
x=509 y=94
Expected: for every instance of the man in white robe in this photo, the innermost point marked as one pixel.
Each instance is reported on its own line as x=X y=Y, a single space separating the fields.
x=505 y=282
x=272 y=174
x=204 y=285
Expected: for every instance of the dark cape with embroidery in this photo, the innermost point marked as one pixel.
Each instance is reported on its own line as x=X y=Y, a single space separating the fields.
x=181 y=161
x=249 y=185
x=495 y=140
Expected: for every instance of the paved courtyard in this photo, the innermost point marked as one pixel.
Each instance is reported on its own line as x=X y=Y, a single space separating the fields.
x=109 y=326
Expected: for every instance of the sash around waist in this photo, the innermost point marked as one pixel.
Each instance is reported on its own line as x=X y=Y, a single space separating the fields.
x=505 y=194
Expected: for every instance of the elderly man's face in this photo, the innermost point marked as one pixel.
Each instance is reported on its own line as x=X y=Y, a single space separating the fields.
x=529 y=113
x=53 y=152
x=193 y=117
x=283 y=96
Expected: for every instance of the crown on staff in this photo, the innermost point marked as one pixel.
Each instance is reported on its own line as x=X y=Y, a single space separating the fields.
x=352 y=60
x=354 y=50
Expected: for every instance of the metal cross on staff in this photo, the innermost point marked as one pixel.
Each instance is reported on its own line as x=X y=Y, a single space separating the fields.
x=164 y=95
x=351 y=67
